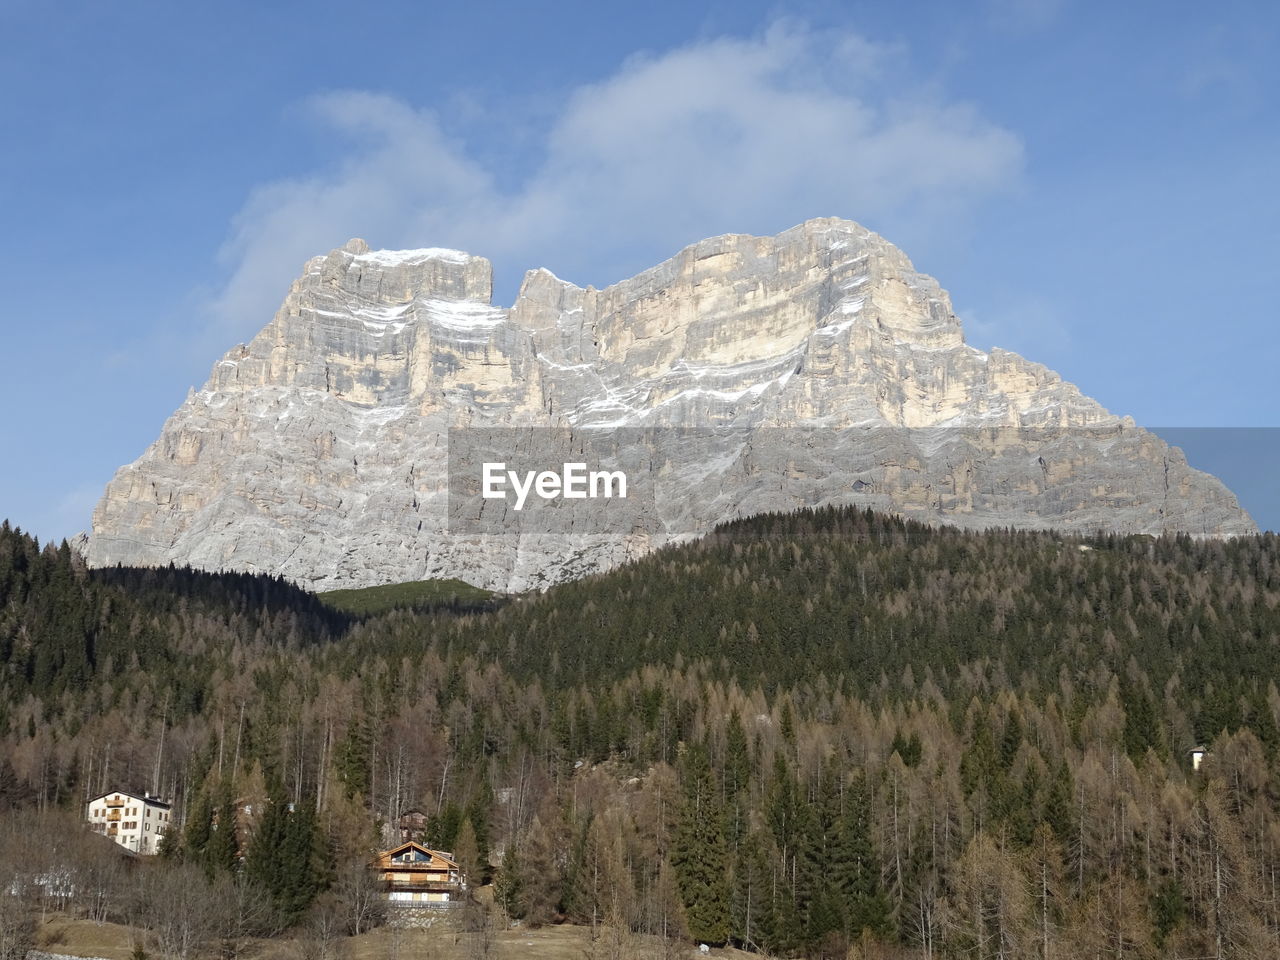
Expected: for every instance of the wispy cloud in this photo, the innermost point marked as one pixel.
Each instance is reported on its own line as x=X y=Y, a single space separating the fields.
x=728 y=135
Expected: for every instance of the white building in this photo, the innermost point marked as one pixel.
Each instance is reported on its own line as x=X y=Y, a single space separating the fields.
x=136 y=822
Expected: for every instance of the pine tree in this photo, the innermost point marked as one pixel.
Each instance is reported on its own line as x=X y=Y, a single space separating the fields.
x=307 y=863
x=265 y=863
x=198 y=830
x=1141 y=725
x=854 y=869
x=539 y=881
x=754 y=921
x=351 y=758
x=1057 y=812
x=288 y=858
x=466 y=853
x=222 y=849
x=700 y=853
x=508 y=889
x=442 y=828
x=737 y=759
x=477 y=812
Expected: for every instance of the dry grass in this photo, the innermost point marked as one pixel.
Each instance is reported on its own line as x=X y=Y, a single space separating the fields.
x=82 y=938
x=562 y=942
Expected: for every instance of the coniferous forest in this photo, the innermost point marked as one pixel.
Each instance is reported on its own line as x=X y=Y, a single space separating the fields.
x=825 y=734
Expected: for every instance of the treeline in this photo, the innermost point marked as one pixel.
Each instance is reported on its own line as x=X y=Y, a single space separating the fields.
x=803 y=735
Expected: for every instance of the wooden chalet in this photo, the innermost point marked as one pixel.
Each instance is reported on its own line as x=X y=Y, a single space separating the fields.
x=412 y=825
x=413 y=875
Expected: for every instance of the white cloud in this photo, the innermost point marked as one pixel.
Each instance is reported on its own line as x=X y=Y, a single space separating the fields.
x=403 y=179
x=728 y=135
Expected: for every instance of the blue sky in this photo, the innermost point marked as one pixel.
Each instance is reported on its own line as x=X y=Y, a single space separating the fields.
x=1094 y=183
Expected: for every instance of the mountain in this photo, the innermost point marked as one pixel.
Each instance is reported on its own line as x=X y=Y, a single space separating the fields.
x=744 y=375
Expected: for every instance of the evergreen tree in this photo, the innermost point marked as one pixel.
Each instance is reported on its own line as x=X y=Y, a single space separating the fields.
x=537 y=880
x=854 y=869
x=700 y=853
x=222 y=849
x=351 y=758
x=1057 y=812
x=754 y=922
x=442 y=828
x=466 y=853
x=265 y=863
x=288 y=858
x=198 y=829
x=477 y=813
x=737 y=758
x=909 y=749
x=507 y=885
x=1141 y=724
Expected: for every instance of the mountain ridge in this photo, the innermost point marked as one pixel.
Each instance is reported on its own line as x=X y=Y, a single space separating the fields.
x=320 y=449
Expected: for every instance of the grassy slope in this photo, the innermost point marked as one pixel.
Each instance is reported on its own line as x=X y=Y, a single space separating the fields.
x=415 y=595
x=82 y=938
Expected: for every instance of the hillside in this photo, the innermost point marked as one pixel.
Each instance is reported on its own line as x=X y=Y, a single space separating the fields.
x=804 y=731
x=419 y=595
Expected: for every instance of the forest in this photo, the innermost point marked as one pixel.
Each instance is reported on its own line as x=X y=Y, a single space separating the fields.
x=826 y=734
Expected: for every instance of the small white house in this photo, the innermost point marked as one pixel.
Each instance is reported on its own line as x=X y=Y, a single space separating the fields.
x=135 y=821
x=1197 y=757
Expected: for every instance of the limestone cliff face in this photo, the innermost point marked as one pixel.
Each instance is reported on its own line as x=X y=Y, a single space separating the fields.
x=818 y=365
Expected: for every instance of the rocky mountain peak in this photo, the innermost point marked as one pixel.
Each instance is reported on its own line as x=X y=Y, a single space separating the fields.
x=817 y=366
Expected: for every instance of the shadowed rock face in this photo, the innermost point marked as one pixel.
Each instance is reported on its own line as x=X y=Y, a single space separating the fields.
x=814 y=367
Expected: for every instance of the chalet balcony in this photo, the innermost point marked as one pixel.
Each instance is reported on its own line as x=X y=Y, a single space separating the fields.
x=117 y=802
x=113 y=816
x=423 y=886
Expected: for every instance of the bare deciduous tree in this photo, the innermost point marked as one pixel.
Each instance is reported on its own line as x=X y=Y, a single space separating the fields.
x=323 y=934
x=360 y=897
x=178 y=909
x=17 y=927
x=244 y=912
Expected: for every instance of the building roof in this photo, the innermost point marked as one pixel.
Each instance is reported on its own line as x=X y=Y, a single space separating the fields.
x=430 y=859
x=140 y=797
